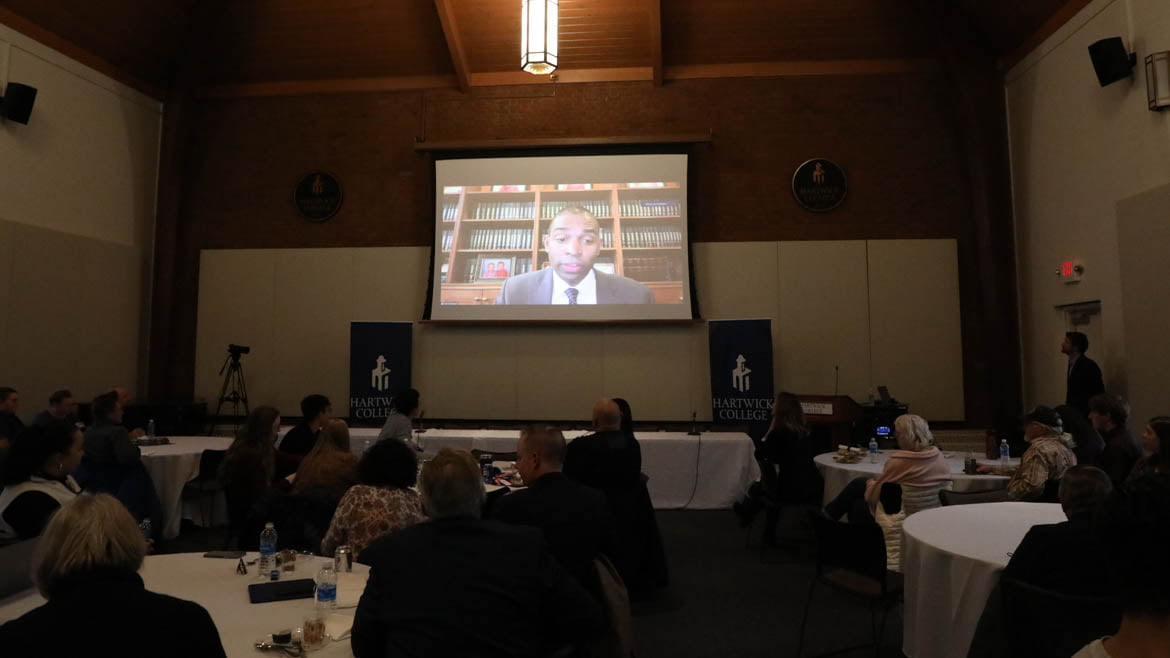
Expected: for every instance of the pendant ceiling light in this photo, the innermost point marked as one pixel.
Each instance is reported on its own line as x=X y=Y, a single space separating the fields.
x=538 y=36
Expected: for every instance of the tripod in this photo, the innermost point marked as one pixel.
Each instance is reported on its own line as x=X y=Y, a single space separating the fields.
x=234 y=390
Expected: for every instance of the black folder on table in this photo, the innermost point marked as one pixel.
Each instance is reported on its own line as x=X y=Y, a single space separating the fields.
x=281 y=590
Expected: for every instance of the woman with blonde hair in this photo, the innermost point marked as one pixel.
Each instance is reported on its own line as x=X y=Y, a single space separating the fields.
x=87 y=565
x=330 y=468
x=917 y=462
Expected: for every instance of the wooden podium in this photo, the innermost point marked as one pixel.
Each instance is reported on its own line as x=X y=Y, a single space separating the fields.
x=832 y=419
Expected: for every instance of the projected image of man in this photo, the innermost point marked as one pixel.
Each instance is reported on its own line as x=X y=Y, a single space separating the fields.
x=573 y=243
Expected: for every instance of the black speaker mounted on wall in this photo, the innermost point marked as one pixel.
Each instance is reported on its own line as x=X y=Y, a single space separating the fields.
x=17 y=102
x=1111 y=60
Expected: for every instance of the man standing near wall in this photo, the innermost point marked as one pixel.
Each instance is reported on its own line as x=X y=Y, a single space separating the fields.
x=1084 y=375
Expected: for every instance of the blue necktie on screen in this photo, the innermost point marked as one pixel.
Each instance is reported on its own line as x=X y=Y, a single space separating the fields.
x=572 y=293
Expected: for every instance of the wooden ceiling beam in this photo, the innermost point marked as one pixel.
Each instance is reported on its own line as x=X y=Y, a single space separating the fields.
x=656 y=40
x=454 y=43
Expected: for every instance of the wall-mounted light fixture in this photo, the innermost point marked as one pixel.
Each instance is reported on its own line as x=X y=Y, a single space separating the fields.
x=1158 y=80
x=538 y=36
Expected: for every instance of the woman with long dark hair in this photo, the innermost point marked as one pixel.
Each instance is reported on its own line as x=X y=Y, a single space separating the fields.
x=787 y=471
x=249 y=465
x=1155 y=449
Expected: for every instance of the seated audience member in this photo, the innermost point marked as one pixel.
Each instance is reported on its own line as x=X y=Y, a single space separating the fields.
x=36 y=478
x=124 y=399
x=107 y=443
x=1047 y=458
x=917 y=462
x=316 y=410
x=330 y=468
x=1087 y=443
x=382 y=502
x=572 y=516
x=113 y=463
x=1155 y=448
x=62 y=407
x=404 y=407
x=10 y=424
x=610 y=459
x=87 y=565
x=249 y=465
x=1109 y=414
x=460 y=586
x=1134 y=528
x=1063 y=557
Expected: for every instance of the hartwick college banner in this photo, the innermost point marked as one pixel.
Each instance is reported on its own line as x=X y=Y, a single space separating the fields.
x=379 y=366
x=741 y=371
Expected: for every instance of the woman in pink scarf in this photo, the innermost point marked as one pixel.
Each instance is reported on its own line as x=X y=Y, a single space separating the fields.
x=919 y=462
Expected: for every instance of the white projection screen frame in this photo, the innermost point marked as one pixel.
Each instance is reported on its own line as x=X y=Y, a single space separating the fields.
x=491 y=214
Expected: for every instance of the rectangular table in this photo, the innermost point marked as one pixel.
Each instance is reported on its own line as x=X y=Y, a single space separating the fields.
x=710 y=471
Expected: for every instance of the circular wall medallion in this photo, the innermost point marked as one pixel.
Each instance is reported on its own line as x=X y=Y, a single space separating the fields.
x=317 y=196
x=819 y=185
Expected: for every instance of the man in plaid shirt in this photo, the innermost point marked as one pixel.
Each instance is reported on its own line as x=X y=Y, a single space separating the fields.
x=1048 y=456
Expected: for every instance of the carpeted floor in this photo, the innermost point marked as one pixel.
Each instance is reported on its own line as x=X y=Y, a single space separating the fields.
x=724 y=601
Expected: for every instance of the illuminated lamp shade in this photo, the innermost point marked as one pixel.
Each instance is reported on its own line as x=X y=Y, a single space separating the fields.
x=538 y=36
x=1158 y=80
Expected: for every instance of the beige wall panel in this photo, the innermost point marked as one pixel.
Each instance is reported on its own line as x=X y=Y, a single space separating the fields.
x=473 y=373
x=236 y=305
x=114 y=343
x=1076 y=149
x=736 y=280
x=312 y=303
x=7 y=271
x=651 y=367
x=1143 y=235
x=916 y=337
x=824 y=318
x=389 y=283
x=558 y=369
x=88 y=157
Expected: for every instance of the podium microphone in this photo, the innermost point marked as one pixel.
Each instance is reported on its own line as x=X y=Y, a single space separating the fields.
x=694 y=430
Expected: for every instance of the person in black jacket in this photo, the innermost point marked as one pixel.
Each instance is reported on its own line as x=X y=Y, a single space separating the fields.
x=1109 y=415
x=1065 y=557
x=87 y=567
x=572 y=516
x=460 y=586
x=1084 y=375
x=316 y=410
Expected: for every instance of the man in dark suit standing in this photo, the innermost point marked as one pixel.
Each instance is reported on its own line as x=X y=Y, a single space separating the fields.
x=573 y=243
x=459 y=586
x=572 y=516
x=1084 y=375
x=1065 y=557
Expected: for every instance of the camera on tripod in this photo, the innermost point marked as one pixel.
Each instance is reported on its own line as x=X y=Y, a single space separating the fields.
x=236 y=350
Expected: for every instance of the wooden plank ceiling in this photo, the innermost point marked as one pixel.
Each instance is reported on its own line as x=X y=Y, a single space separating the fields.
x=356 y=44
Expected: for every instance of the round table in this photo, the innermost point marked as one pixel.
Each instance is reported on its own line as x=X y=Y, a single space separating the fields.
x=215 y=585
x=837 y=474
x=171 y=467
x=951 y=559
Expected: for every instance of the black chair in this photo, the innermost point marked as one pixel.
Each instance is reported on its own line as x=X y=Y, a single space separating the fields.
x=949 y=497
x=1040 y=623
x=851 y=558
x=207 y=483
x=1051 y=492
x=765 y=493
x=15 y=559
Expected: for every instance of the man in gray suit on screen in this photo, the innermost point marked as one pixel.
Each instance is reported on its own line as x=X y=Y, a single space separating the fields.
x=573 y=243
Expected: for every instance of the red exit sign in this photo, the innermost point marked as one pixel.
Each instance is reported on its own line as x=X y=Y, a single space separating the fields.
x=1070 y=271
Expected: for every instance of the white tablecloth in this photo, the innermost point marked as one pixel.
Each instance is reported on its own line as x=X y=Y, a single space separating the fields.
x=951 y=559
x=837 y=475
x=723 y=462
x=214 y=584
x=173 y=466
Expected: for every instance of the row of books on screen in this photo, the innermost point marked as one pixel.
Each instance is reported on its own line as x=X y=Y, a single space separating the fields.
x=651 y=208
x=599 y=207
x=500 y=238
x=450 y=212
x=448 y=239
x=504 y=210
x=652 y=235
x=655 y=268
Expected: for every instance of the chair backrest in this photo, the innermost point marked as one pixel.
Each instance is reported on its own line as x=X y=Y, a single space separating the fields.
x=1041 y=623
x=617 y=641
x=856 y=547
x=949 y=497
x=209 y=463
x=917 y=497
x=1051 y=493
x=15 y=560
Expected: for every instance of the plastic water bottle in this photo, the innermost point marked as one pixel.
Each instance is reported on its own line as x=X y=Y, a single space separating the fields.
x=873 y=450
x=326 y=590
x=268 y=568
x=1004 y=454
x=150 y=429
x=146 y=529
